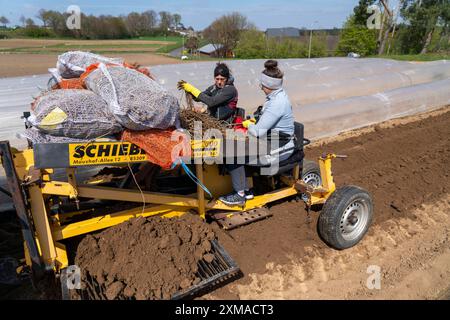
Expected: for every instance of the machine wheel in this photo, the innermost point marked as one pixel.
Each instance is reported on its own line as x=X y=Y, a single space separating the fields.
x=311 y=173
x=346 y=217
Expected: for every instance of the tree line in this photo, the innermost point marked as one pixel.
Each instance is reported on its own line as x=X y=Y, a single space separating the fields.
x=416 y=27
x=135 y=24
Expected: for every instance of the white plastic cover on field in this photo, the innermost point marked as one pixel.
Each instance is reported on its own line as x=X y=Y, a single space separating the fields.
x=332 y=95
x=329 y=118
x=310 y=81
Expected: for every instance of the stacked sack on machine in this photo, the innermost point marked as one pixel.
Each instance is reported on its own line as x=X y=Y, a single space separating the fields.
x=95 y=97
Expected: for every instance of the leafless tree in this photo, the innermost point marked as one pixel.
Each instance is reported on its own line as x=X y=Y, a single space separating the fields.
x=29 y=22
x=134 y=24
x=225 y=31
x=176 y=20
x=192 y=44
x=22 y=19
x=388 y=21
x=165 y=20
x=150 y=19
x=4 y=21
x=42 y=15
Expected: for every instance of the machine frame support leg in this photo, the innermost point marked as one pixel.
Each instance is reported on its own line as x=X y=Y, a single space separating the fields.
x=42 y=225
x=296 y=172
x=200 y=191
x=21 y=209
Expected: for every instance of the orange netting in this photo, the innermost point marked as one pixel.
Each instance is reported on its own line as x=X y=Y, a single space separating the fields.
x=162 y=147
x=75 y=83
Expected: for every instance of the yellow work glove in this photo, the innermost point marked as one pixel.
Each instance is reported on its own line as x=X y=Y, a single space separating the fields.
x=189 y=88
x=247 y=123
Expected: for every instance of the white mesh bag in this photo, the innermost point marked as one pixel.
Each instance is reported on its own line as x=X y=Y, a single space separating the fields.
x=74 y=114
x=74 y=63
x=36 y=136
x=137 y=102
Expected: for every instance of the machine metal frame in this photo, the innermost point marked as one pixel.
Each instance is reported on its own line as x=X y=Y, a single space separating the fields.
x=32 y=187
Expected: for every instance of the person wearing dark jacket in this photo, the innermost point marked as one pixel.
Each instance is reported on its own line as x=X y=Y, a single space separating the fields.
x=221 y=98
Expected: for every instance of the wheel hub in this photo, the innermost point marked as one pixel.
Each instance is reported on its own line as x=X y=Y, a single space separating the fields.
x=354 y=220
x=312 y=179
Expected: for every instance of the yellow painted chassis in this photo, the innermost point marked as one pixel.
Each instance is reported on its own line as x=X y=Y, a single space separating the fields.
x=50 y=230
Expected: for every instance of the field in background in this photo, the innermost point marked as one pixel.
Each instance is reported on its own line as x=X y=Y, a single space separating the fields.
x=418 y=57
x=43 y=46
x=20 y=57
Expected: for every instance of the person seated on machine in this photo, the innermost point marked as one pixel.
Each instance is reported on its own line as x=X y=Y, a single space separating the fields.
x=221 y=98
x=276 y=115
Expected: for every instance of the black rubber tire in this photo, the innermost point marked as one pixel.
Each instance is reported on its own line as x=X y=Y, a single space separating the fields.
x=310 y=167
x=333 y=211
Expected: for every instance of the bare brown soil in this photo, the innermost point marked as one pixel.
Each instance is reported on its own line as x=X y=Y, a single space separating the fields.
x=404 y=165
x=25 y=64
x=146 y=259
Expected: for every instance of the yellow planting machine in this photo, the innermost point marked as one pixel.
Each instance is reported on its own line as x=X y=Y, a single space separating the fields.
x=53 y=206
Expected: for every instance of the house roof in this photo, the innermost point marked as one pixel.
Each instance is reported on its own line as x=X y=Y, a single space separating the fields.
x=210 y=48
x=283 y=32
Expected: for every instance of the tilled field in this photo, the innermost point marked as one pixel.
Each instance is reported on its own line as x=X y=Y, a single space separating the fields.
x=146 y=259
x=404 y=164
x=27 y=64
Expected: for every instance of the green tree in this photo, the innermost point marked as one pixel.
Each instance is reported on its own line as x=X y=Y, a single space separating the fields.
x=357 y=38
x=360 y=12
x=251 y=45
x=423 y=18
x=319 y=45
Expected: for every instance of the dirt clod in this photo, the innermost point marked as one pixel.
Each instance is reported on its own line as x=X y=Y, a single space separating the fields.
x=147 y=259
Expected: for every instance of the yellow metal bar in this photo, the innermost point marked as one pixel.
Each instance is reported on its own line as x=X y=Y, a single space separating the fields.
x=23 y=161
x=257 y=202
x=71 y=180
x=319 y=198
x=296 y=172
x=62 y=261
x=326 y=173
x=42 y=225
x=105 y=193
x=62 y=189
x=106 y=221
x=200 y=192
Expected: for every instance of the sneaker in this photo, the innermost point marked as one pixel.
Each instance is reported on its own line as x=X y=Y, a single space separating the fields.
x=233 y=199
x=249 y=195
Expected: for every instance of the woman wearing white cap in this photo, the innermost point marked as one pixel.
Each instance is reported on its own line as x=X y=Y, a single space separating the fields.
x=276 y=116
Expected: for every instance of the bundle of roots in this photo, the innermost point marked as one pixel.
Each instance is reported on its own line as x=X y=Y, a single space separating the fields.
x=188 y=118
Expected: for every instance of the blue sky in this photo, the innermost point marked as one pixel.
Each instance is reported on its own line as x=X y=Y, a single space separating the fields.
x=200 y=13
